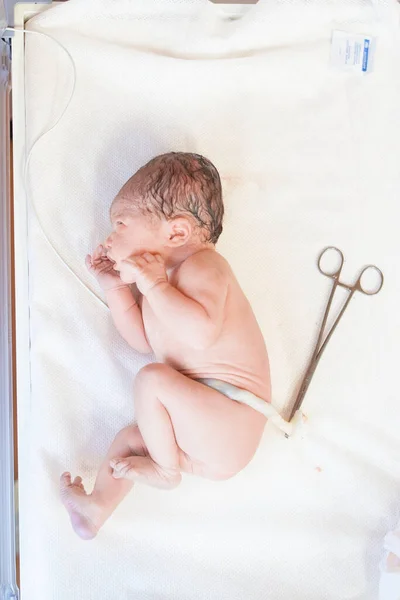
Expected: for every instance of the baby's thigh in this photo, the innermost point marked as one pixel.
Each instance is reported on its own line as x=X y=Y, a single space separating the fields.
x=208 y=426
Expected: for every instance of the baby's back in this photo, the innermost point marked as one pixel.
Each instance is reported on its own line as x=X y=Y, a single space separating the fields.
x=238 y=354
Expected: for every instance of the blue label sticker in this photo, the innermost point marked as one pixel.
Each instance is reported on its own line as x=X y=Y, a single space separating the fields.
x=365 y=56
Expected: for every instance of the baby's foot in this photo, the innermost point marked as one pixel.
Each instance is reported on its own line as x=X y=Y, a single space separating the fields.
x=79 y=505
x=144 y=470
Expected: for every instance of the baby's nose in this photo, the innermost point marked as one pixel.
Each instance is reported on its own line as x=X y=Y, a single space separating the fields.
x=107 y=243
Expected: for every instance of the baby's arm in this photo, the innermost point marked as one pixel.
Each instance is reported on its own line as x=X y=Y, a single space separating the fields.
x=125 y=312
x=196 y=311
x=127 y=318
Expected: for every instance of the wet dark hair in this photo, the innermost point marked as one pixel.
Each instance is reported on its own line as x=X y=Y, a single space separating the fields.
x=178 y=183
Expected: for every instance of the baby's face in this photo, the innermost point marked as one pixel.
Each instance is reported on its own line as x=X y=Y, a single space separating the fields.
x=132 y=234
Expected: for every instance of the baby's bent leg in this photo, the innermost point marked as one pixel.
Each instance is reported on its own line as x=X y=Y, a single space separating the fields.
x=88 y=512
x=107 y=491
x=185 y=423
x=161 y=467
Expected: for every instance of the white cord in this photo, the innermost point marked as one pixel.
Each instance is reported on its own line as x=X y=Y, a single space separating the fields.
x=38 y=139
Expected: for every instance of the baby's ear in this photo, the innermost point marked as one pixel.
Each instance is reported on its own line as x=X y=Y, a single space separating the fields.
x=179 y=230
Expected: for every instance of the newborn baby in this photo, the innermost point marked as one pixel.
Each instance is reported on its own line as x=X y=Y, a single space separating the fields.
x=199 y=408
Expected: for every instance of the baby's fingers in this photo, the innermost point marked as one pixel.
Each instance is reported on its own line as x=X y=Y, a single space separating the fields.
x=148 y=257
x=89 y=263
x=138 y=261
x=99 y=252
x=129 y=264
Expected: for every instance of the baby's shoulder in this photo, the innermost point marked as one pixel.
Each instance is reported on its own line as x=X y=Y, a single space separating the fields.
x=205 y=269
x=207 y=261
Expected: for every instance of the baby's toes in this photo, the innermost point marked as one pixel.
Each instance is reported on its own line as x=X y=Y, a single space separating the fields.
x=78 y=482
x=65 y=480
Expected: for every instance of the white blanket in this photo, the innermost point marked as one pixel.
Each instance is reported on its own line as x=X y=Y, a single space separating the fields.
x=309 y=157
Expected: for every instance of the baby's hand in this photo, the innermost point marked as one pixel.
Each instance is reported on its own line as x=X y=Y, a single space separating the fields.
x=146 y=270
x=103 y=269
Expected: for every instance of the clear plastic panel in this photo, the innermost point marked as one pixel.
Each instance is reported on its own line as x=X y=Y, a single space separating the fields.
x=8 y=587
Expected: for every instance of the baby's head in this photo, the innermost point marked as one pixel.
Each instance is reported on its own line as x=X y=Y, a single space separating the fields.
x=174 y=201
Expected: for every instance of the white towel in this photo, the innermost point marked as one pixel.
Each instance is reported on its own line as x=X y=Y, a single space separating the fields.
x=309 y=157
